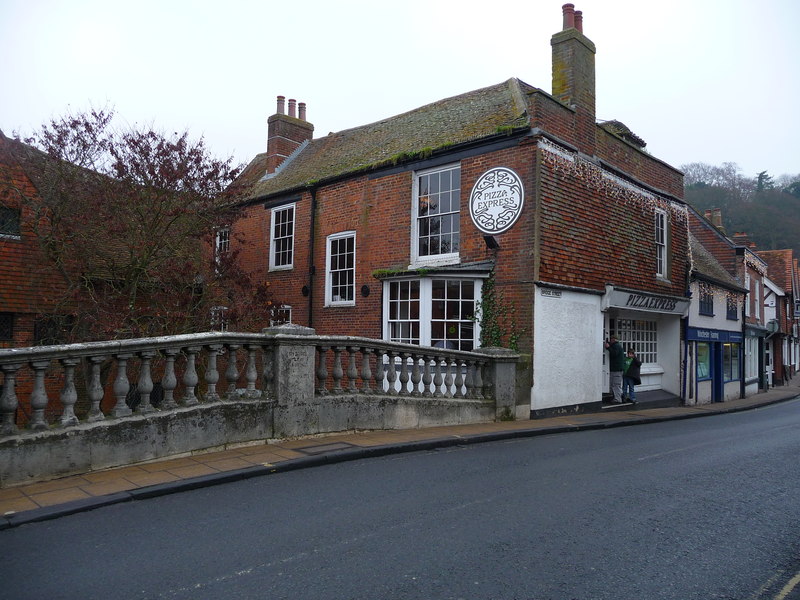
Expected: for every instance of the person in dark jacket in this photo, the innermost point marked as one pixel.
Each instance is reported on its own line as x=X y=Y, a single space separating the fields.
x=632 y=376
x=616 y=365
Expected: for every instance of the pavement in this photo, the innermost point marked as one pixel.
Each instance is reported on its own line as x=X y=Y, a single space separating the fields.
x=40 y=501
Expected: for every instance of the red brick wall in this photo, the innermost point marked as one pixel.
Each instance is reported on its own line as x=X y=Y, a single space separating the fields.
x=588 y=239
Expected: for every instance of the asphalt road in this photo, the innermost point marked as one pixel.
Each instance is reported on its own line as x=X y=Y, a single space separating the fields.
x=693 y=509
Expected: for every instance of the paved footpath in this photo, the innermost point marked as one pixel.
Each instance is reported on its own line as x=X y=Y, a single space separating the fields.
x=67 y=495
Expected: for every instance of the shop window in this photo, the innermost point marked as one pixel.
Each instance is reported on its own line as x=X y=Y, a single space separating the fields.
x=432 y=312
x=703 y=361
x=639 y=334
x=751 y=357
x=730 y=361
x=437 y=200
x=281 y=249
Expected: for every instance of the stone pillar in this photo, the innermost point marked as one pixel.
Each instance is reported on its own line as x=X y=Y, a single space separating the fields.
x=502 y=374
x=297 y=406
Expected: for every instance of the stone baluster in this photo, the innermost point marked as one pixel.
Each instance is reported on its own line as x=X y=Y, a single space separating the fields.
x=352 y=370
x=479 y=378
x=251 y=373
x=169 y=382
x=380 y=372
x=404 y=374
x=459 y=380
x=488 y=384
x=416 y=376
x=391 y=375
x=322 y=370
x=212 y=374
x=268 y=371
x=145 y=383
x=448 y=377
x=190 y=378
x=366 y=372
x=338 y=373
x=8 y=400
x=121 y=386
x=469 y=381
x=437 y=377
x=95 y=390
x=39 y=399
x=69 y=395
x=427 y=377
x=232 y=372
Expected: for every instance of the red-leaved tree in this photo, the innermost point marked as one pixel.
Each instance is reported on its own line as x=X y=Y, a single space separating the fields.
x=129 y=219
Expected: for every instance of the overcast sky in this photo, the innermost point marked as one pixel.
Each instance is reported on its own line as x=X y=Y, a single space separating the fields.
x=709 y=81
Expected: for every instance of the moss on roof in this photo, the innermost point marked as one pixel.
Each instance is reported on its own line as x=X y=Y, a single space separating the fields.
x=705 y=265
x=491 y=111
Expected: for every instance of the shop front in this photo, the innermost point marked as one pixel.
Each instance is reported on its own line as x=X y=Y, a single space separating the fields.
x=650 y=324
x=713 y=365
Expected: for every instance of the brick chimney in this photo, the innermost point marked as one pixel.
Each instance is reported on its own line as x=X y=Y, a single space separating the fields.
x=573 y=75
x=286 y=132
x=740 y=238
x=714 y=216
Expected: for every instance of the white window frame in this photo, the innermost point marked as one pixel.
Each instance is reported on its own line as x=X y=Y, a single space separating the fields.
x=219 y=318
x=432 y=259
x=639 y=334
x=749 y=298
x=222 y=243
x=425 y=318
x=283 y=308
x=273 y=240
x=330 y=299
x=661 y=225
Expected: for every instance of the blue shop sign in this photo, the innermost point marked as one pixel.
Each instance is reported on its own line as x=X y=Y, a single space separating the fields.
x=697 y=334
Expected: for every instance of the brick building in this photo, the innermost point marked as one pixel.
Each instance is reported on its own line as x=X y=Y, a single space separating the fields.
x=392 y=229
x=715 y=334
x=783 y=301
x=29 y=284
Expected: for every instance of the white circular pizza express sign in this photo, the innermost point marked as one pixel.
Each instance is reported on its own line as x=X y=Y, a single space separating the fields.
x=496 y=200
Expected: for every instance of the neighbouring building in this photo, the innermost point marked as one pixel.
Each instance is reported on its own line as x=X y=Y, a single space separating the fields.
x=782 y=302
x=392 y=230
x=714 y=335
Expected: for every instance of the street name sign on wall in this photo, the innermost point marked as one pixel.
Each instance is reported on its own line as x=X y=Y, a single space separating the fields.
x=496 y=200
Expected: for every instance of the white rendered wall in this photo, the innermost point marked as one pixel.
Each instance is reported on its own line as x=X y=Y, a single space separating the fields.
x=567 y=349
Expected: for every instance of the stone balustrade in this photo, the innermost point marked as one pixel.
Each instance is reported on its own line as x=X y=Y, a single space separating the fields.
x=85 y=406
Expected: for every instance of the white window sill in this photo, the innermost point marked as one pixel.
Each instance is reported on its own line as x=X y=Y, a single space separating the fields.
x=442 y=260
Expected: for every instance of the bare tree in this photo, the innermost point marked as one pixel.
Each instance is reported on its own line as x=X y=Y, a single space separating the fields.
x=128 y=218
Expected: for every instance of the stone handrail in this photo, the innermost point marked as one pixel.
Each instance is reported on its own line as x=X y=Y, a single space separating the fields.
x=46 y=366
x=253 y=365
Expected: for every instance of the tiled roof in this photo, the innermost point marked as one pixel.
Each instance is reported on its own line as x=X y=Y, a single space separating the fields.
x=779 y=266
x=461 y=119
x=705 y=265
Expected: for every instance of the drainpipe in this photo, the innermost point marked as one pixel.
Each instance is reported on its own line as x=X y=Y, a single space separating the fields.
x=684 y=326
x=311 y=267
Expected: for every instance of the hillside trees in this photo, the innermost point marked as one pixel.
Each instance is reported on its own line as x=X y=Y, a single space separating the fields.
x=766 y=208
x=128 y=218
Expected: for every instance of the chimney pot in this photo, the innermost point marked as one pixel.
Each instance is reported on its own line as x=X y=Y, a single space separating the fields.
x=302 y=111
x=280 y=104
x=569 y=15
x=292 y=105
x=579 y=20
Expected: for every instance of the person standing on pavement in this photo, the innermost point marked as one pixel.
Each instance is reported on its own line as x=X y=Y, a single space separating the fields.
x=616 y=363
x=631 y=377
